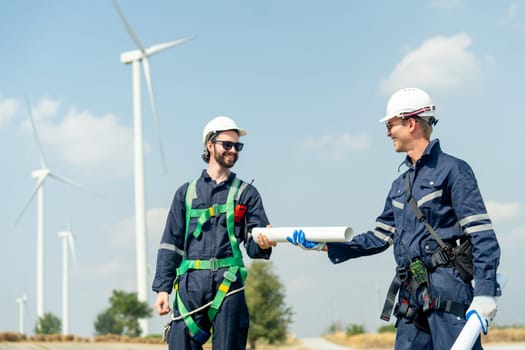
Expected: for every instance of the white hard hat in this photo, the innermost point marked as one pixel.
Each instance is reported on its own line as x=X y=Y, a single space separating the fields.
x=410 y=102
x=220 y=123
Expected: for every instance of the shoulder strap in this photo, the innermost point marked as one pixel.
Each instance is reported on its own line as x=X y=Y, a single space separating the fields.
x=191 y=194
x=419 y=214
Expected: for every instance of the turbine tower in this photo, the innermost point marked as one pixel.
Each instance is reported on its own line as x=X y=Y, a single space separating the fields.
x=41 y=176
x=135 y=58
x=22 y=301
x=67 y=244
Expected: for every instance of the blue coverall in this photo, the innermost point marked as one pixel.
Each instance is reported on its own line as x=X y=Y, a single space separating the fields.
x=447 y=193
x=198 y=287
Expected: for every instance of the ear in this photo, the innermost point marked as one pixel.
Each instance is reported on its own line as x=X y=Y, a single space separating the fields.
x=412 y=124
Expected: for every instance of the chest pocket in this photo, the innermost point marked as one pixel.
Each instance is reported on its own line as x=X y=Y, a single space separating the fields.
x=432 y=197
x=398 y=197
x=398 y=202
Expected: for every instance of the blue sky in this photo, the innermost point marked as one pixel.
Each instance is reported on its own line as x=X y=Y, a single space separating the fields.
x=309 y=80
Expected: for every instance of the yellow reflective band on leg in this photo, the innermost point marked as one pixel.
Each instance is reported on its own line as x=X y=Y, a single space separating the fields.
x=197 y=264
x=212 y=211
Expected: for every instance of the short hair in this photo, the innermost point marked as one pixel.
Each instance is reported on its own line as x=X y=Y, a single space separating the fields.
x=426 y=127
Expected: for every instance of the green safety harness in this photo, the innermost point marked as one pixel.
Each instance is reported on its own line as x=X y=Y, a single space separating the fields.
x=235 y=263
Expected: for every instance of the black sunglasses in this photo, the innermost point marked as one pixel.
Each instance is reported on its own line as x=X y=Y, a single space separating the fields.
x=227 y=145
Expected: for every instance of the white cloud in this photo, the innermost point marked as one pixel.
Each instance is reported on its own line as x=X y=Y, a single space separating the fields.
x=45 y=109
x=9 y=107
x=514 y=16
x=156 y=221
x=99 y=144
x=337 y=147
x=503 y=211
x=439 y=63
x=123 y=234
x=511 y=242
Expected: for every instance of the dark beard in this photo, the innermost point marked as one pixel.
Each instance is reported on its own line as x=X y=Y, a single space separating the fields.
x=221 y=159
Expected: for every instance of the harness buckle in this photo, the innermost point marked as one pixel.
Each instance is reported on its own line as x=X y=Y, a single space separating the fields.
x=402 y=273
x=213 y=210
x=402 y=308
x=230 y=276
x=214 y=264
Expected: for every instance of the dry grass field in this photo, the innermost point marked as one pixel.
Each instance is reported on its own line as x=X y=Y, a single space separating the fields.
x=359 y=341
x=386 y=340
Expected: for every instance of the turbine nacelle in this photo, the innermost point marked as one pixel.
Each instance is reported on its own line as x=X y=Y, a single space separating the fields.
x=40 y=173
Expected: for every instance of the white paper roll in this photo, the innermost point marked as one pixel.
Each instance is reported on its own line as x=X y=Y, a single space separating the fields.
x=314 y=234
x=469 y=334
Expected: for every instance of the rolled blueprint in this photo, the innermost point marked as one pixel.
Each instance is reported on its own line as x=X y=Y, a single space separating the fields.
x=314 y=234
x=472 y=329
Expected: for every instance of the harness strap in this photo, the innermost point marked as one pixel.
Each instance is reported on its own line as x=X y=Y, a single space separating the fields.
x=204 y=215
x=420 y=216
x=212 y=264
x=229 y=277
x=390 y=298
x=449 y=306
x=418 y=317
x=235 y=263
x=401 y=277
x=196 y=332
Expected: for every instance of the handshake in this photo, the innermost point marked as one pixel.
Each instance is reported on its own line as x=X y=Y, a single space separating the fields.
x=300 y=240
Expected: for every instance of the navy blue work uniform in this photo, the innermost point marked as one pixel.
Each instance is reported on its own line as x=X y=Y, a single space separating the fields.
x=197 y=287
x=446 y=191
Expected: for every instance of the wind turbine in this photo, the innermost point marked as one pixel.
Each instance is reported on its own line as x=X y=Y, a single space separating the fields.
x=41 y=176
x=67 y=243
x=21 y=301
x=135 y=58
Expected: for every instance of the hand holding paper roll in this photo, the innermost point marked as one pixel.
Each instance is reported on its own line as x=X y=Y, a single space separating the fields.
x=313 y=234
x=298 y=238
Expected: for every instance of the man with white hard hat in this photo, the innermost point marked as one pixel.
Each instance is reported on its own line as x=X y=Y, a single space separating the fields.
x=199 y=256
x=443 y=238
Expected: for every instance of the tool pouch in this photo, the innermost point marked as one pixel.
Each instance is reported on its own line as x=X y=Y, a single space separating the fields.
x=462 y=260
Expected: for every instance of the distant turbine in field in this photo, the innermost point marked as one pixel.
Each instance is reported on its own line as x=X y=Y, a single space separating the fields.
x=40 y=175
x=22 y=301
x=67 y=244
x=135 y=57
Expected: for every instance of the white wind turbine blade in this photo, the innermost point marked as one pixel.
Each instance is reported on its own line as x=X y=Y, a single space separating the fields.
x=35 y=134
x=130 y=31
x=147 y=75
x=69 y=182
x=70 y=241
x=39 y=183
x=159 y=47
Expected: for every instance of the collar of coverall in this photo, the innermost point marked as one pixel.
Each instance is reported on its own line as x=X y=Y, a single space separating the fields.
x=432 y=147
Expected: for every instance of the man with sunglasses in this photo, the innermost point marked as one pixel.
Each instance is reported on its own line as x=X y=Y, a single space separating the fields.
x=199 y=256
x=443 y=238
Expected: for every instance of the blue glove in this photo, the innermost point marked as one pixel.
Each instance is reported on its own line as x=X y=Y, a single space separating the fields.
x=300 y=240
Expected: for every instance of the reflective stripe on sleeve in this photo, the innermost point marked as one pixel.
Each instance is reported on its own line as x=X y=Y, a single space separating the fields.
x=385 y=227
x=473 y=218
x=478 y=228
x=171 y=247
x=382 y=236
